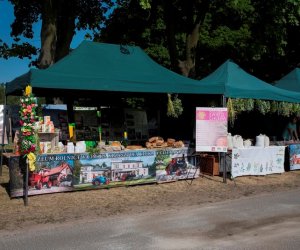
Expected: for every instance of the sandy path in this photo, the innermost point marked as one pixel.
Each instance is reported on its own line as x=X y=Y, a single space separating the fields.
x=64 y=207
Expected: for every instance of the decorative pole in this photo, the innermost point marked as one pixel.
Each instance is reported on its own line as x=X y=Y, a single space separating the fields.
x=26 y=185
x=28 y=142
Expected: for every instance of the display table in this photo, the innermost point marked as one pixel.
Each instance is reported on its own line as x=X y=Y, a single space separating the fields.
x=257 y=161
x=70 y=172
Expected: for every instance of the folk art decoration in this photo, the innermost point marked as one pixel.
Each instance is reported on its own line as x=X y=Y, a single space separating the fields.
x=28 y=119
x=174 y=106
x=237 y=105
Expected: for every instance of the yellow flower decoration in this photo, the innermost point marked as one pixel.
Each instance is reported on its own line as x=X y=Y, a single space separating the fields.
x=28 y=90
x=31 y=161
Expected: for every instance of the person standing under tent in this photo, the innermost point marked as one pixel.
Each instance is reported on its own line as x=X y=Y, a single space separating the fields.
x=290 y=130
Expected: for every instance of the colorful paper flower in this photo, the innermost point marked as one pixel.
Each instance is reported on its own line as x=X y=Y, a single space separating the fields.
x=28 y=118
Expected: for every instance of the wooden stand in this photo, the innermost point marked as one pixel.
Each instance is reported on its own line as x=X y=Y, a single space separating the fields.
x=209 y=165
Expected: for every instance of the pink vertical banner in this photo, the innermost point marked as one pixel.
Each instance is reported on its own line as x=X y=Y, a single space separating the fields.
x=211 y=129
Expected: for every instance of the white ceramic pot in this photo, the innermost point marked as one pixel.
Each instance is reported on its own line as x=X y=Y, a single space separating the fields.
x=238 y=141
x=70 y=147
x=267 y=141
x=229 y=141
x=247 y=143
x=260 y=141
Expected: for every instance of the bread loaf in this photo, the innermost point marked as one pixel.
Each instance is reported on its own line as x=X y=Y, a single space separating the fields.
x=153 y=139
x=179 y=144
x=115 y=144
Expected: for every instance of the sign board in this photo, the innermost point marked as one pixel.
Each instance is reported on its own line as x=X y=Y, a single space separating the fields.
x=211 y=129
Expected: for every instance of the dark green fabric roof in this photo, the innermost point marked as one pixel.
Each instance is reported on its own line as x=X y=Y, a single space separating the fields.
x=291 y=81
x=232 y=81
x=99 y=66
x=108 y=67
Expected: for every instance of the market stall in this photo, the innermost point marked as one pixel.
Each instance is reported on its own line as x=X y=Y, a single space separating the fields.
x=111 y=159
x=131 y=71
x=291 y=81
x=246 y=93
x=43 y=164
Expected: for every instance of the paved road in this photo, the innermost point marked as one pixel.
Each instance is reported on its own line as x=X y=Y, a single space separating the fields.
x=262 y=222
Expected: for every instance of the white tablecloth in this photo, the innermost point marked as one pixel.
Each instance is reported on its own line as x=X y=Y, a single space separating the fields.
x=257 y=161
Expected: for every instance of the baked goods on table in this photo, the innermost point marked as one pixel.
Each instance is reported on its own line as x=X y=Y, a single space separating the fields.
x=154 y=142
x=158 y=142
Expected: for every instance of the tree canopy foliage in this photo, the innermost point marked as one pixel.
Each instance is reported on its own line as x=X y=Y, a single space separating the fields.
x=60 y=20
x=190 y=37
x=199 y=35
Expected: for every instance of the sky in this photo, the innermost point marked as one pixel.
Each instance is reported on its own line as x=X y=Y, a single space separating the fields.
x=14 y=67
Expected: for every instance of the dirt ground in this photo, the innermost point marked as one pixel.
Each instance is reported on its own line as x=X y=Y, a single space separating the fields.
x=66 y=207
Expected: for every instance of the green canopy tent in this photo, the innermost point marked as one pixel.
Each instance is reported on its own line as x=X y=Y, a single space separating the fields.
x=106 y=67
x=291 y=81
x=115 y=68
x=232 y=81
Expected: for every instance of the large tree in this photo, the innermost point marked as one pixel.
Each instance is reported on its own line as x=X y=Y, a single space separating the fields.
x=190 y=37
x=201 y=34
x=60 y=20
x=180 y=28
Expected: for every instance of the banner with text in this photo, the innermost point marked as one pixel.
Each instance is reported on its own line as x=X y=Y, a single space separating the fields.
x=70 y=172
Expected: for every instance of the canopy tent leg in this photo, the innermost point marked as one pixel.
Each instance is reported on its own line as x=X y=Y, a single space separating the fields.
x=3 y=131
x=99 y=122
x=222 y=156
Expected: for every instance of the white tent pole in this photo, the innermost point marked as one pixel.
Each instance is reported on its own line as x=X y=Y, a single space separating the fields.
x=222 y=158
x=3 y=130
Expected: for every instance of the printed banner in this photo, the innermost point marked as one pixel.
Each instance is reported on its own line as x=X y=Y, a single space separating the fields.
x=257 y=161
x=294 y=156
x=70 y=172
x=211 y=129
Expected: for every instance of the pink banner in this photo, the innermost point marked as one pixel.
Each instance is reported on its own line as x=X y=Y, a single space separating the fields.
x=211 y=115
x=211 y=129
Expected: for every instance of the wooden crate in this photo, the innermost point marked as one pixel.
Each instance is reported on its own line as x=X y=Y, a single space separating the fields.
x=209 y=164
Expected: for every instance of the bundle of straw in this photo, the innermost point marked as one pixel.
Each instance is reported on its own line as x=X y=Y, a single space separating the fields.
x=171 y=110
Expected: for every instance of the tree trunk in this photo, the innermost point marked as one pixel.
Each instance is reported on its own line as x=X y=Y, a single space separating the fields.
x=48 y=35
x=169 y=16
x=192 y=36
x=188 y=65
x=56 y=39
x=66 y=28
